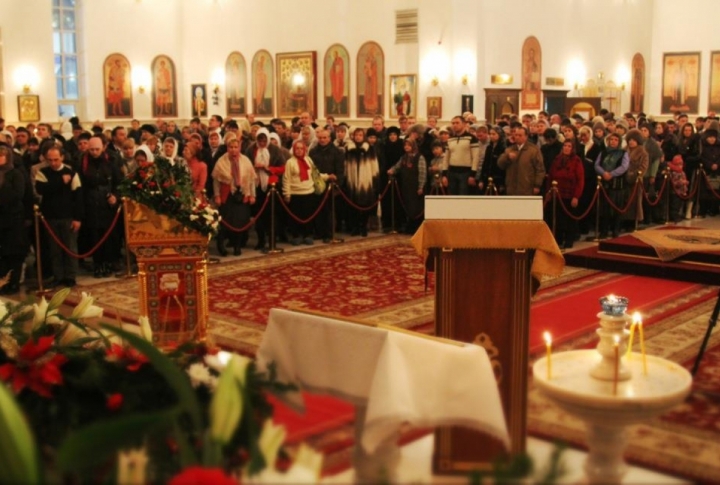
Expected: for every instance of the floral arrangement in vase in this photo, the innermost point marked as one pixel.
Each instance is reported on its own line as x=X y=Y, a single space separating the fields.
x=83 y=401
x=166 y=187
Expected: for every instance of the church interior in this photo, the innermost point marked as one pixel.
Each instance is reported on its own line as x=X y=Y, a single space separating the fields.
x=378 y=325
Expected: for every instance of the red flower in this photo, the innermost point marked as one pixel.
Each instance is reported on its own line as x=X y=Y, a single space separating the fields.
x=152 y=184
x=177 y=193
x=114 y=401
x=35 y=367
x=117 y=353
x=194 y=475
x=142 y=174
x=139 y=186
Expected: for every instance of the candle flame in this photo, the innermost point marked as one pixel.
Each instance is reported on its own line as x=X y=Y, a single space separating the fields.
x=547 y=337
x=611 y=298
x=636 y=318
x=617 y=340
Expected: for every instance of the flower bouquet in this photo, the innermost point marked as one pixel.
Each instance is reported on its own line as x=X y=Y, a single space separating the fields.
x=166 y=188
x=83 y=401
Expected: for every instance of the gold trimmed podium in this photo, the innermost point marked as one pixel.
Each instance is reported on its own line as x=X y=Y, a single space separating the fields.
x=485 y=274
x=172 y=275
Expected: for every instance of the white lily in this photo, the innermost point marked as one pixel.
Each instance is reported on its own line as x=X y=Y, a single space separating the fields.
x=199 y=374
x=145 y=329
x=305 y=469
x=42 y=313
x=86 y=309
x=71 y=333
x=193 y=217
x=226 y=406
x=3 y=311
x=271 y=438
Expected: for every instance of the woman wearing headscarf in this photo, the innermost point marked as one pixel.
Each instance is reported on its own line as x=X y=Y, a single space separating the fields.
x=639 y=161
x=13 y=236
x=362 y=176
x=568 y=171
x=411 y=172
x=298 y=191
x=490 y=168
x=611 y=165
x=234 y=188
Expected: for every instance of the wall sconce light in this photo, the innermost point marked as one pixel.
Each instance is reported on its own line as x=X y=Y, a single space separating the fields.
x=216 y=94
x=26 y=77
x=465 y=80
x=435 y=81
x=141 y=79
x=217 y=79
x=141 y=89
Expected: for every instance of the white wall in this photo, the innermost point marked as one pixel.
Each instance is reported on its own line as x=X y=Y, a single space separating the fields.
x=25 y=44
x=687 y=26
x=476 y=38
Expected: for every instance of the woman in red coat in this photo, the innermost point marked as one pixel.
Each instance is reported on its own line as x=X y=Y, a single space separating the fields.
x=567 y=170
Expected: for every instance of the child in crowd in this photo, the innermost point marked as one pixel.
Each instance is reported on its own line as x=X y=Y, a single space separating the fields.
x=678 y=187
x=435 y=169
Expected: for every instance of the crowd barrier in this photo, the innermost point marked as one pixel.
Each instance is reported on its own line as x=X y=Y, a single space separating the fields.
x=652 y=198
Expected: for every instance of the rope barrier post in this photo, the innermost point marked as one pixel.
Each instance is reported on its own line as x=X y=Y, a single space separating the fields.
x=393 y=229
x=667 y=196
x=272 y=249
x=696 y=210
x=38 y=256
x=333 y=239
x=490 y=187
x=597 y=210
x=638 y=204
x=554 y=206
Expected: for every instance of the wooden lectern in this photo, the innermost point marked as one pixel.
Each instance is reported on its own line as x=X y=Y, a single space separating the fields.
x=489 y=254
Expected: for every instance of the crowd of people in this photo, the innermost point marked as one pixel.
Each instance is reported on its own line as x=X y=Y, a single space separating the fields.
x=73 y=175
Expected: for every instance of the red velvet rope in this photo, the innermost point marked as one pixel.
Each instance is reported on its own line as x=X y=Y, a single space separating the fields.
x=402 y=202
x=250 y=223
x=92 y=251
x=707 y=183
x=313 y=216
x=370 y=207
x=630 y=201
x=584 y=214
x=658 y=196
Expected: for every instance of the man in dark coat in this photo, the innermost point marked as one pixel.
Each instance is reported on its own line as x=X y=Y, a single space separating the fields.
x=13 y=236
x=331 y=160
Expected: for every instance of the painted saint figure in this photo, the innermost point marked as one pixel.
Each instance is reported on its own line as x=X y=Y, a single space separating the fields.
x=163 y=86
x=337 y=81
x=260 y=86
x=370 y=100
x=116 y=88
x=199 y=103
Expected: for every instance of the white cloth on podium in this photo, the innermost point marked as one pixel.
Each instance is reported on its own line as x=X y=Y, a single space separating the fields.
x=401 y=378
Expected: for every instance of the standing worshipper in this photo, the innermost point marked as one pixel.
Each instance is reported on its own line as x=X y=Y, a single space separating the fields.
x=62 y=206
x=611 y=165
x=99 y=177
x=328 y=159
x=523 y=165
x=14 y=243
x=298 y=191
x=198 y=170
x=234 y=182
x=362 y=176
x=490 y=168
x=269 y=165
x=411 y=171
x=393 y=151
x=568 y=171
x=639 y=161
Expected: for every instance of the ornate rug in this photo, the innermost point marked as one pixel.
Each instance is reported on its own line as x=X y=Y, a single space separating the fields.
x=671 y=245
x=685 y=441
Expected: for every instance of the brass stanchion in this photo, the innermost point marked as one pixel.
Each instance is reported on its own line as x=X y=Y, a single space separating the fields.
x=597 y=210
x=38 y=256
x=554 y=206
x=490 y=190
x=639 y=195
x=333 y=239
x=391 y=192
x=667 y=196
x=272 y=249
x=436 y=186
x=700 y=175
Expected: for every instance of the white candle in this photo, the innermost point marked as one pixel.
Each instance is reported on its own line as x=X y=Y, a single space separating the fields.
x=548 y=352
x=616 y=346
x=635 y=319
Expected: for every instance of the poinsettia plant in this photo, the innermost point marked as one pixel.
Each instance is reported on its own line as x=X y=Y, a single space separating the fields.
x=166 y=187
x=102 y=403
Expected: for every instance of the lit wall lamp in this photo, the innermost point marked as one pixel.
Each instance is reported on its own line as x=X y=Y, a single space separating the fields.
x=217 y=79
x=26 y=77
x=465 y=80
x=435 y=81
x=141 y=79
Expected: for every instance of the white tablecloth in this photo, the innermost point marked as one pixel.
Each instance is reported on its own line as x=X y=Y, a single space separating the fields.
x=401 y=378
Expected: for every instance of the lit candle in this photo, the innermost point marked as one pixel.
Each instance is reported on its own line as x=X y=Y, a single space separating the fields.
x=616 y=346
x=548 y=351
x=612 y=299
x=642 y=346
x=635 y=319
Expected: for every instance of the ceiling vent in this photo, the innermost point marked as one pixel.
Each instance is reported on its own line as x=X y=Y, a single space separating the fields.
x=406 y=26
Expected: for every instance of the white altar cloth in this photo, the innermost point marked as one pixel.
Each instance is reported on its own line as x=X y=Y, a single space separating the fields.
x=401 y=378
